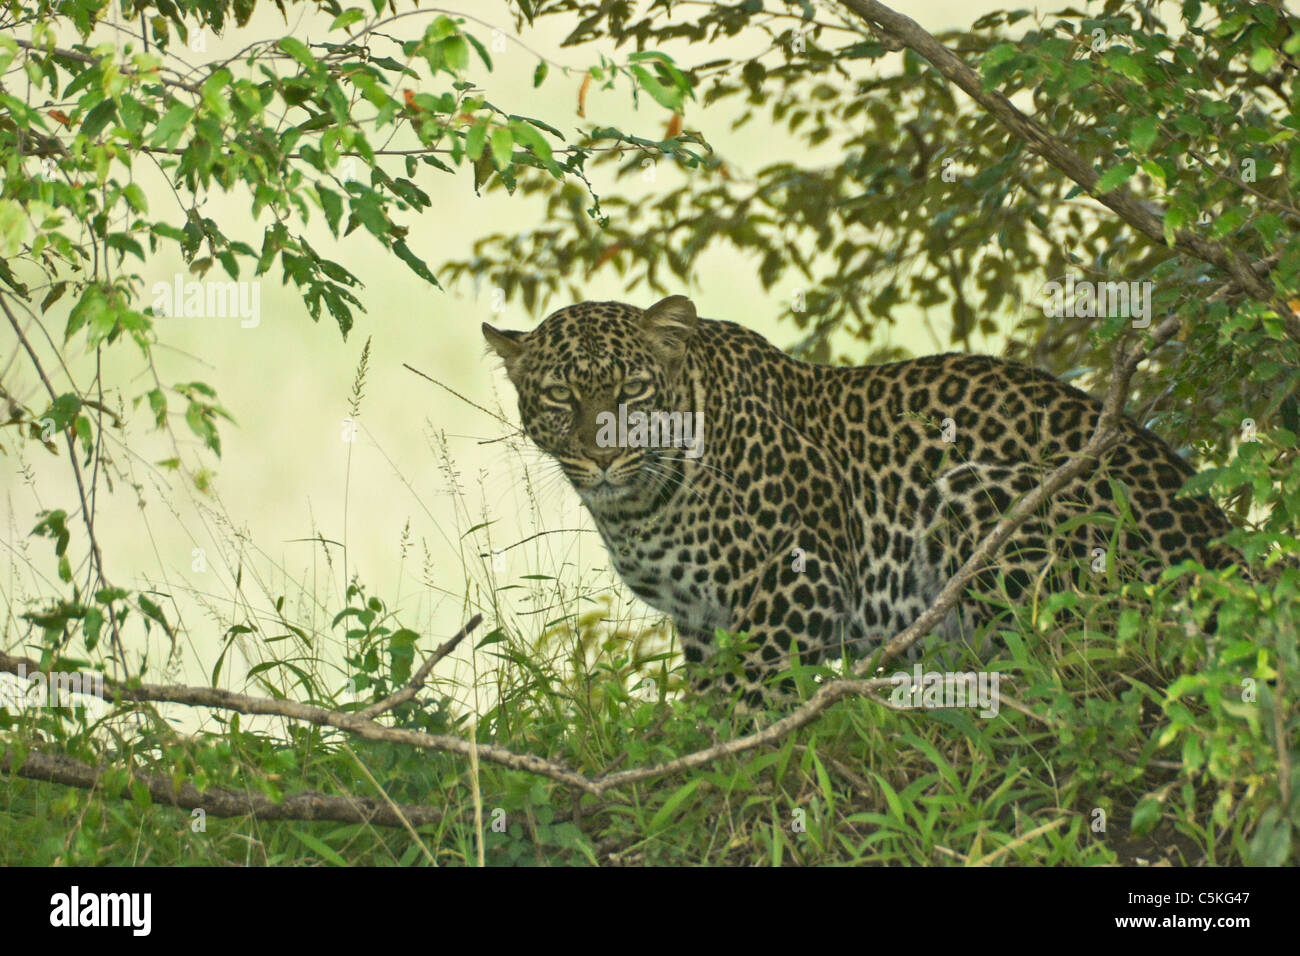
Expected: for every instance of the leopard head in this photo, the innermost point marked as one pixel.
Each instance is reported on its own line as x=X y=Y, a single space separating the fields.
x=574 y=371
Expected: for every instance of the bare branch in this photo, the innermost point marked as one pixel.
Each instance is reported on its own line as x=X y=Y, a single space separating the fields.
x=220 y=801
x=369 y=730
x=804 y=715
x=413 y=686
x=220 y=699
x=63 y=54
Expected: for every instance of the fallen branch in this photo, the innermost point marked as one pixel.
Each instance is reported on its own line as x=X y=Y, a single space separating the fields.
x=219 y=699
x=368 y=729
x=220 y=801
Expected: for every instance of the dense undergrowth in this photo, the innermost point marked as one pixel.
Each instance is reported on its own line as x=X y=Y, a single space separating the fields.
x=1128 y=735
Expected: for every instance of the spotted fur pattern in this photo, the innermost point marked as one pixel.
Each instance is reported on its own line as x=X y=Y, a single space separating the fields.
x=828 y=505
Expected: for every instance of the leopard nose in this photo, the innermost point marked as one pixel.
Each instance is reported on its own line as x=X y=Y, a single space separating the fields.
x=603 y=456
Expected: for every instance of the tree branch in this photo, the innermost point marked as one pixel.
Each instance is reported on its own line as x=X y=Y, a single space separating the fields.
x=221 y=801
x=220 y=699
x=88 y=60
x=369 y=730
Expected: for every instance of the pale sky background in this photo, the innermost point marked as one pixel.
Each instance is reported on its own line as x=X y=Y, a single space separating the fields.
x=418 y=461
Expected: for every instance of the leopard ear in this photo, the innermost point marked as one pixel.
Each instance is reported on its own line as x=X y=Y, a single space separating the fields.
x=671 y=322
x=506 y=343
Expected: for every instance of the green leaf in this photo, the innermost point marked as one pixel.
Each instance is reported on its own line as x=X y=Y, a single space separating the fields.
x=135 y=197
x=1271 y=843
x=1146 y=815
x=530 y=139
x=1263 y=59
x=669 y=98
x=456 y=52
x=475 y=139
x=1155 y=171
x=503 y=146
x=91 y=625
x=13 y=227
x=158 y=405
x=153 y=611
x=172 y=125
x=88 y=310
x=317 y=846
x=650 y=55
x=81 y=425
x=98 y=118
x=1175 y=219
x=55 y=293
x=348 y=17
x=300 y=52
x=997 y=56
x=124 y=243
x=670 y=806
x=539 y=74
x=63 y=410
x=1144 y=132
x=443 y=26
x=481 y=50
x=415 y=262
x=1115 y=176
x=200 y=421
x=332 y=205
x=1119 y=494
x=214 y=93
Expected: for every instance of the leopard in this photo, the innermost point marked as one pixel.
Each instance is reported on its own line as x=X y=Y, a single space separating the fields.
x=817 y=510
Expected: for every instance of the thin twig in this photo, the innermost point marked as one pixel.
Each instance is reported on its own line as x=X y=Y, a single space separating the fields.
x=1002 y=851
x=87 y=515
x=467 y=401
x=415 y=683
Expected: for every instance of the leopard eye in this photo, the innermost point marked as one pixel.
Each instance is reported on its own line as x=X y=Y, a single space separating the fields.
x=558 y=394
x=633 y=390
